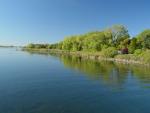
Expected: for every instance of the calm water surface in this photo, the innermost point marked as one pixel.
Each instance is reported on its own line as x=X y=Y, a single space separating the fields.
x=36 y=83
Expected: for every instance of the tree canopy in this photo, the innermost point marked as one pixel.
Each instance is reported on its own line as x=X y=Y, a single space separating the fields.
x=111 y=39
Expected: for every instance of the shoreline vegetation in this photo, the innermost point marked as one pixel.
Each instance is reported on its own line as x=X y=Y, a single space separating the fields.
x=111 y=44
x=6 y=46
x=127 y=59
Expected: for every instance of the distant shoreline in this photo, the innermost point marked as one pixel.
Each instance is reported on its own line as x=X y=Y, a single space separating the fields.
x=7 y=46
x=89 y=55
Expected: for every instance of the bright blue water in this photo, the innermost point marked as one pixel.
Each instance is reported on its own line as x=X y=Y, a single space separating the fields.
x=34 y=83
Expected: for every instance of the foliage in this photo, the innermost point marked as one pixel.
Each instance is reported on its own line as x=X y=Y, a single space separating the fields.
x=138 y=52
x=133 y=45
x=118 y=34
x=30 y=45
x=108 y=43
x=145 y=55
x=144 y=39
x=109 y=52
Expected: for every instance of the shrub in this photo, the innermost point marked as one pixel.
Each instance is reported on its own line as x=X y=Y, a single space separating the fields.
x=138 y=52
x=109 y=52
x=30 y=46
x=145 y=55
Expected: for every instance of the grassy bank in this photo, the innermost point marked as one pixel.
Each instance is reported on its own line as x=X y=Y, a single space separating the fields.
x=137 y=58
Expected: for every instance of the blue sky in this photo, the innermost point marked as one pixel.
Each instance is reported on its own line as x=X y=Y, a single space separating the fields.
x=49 y=21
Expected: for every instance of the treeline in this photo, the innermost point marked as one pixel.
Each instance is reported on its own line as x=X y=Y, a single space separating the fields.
x=108 y=41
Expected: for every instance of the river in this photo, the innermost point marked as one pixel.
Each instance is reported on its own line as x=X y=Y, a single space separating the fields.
x=49 y=83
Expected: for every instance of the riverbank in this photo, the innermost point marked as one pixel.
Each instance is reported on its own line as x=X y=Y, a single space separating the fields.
x=121 y=58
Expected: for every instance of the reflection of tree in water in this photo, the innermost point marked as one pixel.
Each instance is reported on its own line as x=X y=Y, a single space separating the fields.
x=142 y=73
x=108 y=72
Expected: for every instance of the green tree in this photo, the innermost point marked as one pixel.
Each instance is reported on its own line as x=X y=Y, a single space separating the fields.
x=118 y=33
x=144 y=39
x=132 y=45
x=30 y=45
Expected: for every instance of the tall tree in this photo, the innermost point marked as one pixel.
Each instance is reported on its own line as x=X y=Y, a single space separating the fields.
x=144 y=38
x=118 y=33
